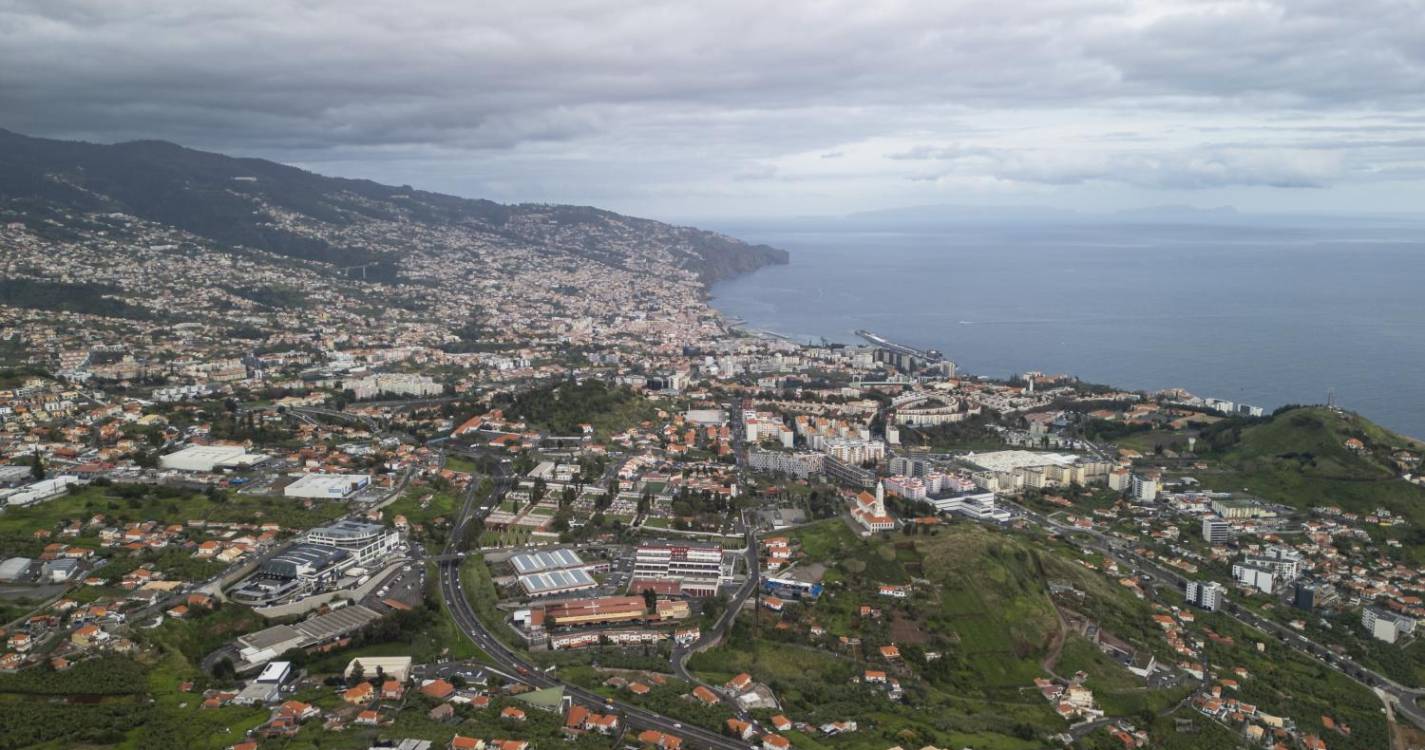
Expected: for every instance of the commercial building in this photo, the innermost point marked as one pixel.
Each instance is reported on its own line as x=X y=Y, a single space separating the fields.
x=296 y=570
x=1216 y=531
x=604 y=610
x=1207 y=595
x=1386 y=625
x=980 y=506
x=698 y=568
x=327 y=486
x=210 y=458
x=365 y=542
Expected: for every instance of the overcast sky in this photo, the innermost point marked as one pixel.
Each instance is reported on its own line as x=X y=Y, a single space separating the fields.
x=782 y=107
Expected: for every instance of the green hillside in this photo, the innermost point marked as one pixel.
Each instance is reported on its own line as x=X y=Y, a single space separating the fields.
x=1313 y=440
x=1300 y=457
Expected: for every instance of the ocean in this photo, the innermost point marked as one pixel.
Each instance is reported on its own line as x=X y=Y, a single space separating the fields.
x=1264 y=315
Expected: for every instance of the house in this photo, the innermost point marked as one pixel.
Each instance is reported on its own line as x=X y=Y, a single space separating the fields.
x=359 y=693
x=775 y=742
x=740 y=682
x=707 y=697
x=739 y=728
x=459 y=742
x=368 y=718
x=513 y=714
x=781 y=723
x=441 y=713
x=638 y=688
x=875 y=676
x=438 y=689
x=890 y=652
x=298 y=710
x=655 y=738
x=392 y=690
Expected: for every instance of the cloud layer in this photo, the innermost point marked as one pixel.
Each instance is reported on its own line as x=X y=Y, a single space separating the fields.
x=736 y=107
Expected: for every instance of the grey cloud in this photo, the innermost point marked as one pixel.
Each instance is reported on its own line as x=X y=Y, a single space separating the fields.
x=677 y=91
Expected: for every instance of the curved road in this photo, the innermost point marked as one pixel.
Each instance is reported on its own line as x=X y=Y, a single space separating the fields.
x=1402 y=696
x=521 y=669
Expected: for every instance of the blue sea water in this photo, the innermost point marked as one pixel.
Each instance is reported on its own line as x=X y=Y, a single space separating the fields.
x=1254 y=314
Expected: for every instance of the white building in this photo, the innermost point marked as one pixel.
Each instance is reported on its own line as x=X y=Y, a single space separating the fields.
x=365 y=542
x=1209 y=595
x=1257 y=578
x=1216 y=531
x=801 y=464
x=209 y=458
x=1386 y=625
x=47 y=489
x=327 y=486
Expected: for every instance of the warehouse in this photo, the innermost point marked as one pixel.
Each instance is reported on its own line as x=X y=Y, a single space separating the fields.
x=554 y=582
x=15 y=569
x=529 y=563
x=210 y=458
x=327 y=486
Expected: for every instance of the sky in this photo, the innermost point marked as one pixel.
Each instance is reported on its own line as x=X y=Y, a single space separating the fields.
x=704 y=110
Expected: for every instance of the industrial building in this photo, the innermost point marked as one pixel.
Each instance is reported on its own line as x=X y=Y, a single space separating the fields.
x=37 y=492
x=15 y=569
x=327 y=486
x=555 y=582
x=210 y=458
x=528 y=563
x=256 y=649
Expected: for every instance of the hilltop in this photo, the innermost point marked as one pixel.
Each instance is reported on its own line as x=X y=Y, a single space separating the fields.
x=48 y=185
x=1317 y=441
x=1307 y=457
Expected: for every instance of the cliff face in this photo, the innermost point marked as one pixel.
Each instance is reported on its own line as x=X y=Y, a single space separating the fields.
x=262 y=205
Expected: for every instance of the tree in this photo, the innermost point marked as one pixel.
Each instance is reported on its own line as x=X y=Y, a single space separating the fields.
x=358 y=673
x=37 y=466
x=650 y=599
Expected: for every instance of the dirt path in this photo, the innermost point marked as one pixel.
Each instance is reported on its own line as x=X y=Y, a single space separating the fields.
x=1056 y=645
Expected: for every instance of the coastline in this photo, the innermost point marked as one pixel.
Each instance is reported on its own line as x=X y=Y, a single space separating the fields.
x=744 y=317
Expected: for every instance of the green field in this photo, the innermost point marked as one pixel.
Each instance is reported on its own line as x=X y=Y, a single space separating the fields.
x=133 y=503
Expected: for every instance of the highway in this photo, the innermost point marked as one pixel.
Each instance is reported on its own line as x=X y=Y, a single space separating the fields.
x=523 y=670
x=1401 y=696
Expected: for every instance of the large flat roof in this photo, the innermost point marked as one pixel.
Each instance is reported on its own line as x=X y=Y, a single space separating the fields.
x=535 y=562
x=1011 y=460
x=557 y=580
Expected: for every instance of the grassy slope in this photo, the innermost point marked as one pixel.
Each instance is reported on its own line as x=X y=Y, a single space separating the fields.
x=1299 y=458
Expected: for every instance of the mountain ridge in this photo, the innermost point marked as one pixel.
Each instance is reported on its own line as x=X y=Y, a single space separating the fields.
x=245 y=202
